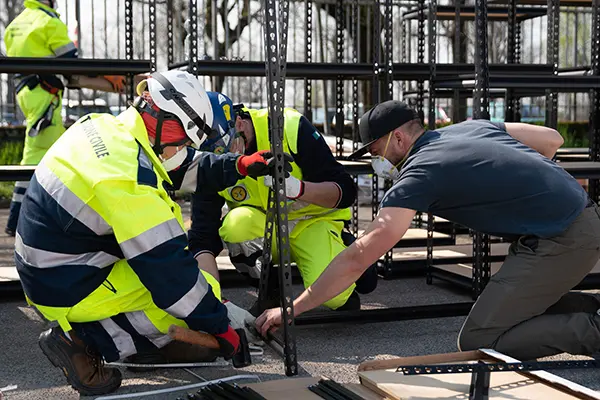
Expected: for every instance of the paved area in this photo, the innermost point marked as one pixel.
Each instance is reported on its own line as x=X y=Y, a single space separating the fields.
x=330 y=350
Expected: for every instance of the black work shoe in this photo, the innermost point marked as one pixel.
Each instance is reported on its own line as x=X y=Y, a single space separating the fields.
x=352 y=304
x=9 y=232
x=173 y=353
x=82 y=366
x=368 y=280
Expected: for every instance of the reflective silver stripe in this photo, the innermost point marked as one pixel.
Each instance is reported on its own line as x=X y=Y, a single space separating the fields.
x=17 y=198
x=190 y=300
x=22 y=184
x=246 y=248
x=190 y=179
x=64 y=49
x=122 y=340
x=151 y=238
x=70 y=202
x=142 y=324
x=48 y=259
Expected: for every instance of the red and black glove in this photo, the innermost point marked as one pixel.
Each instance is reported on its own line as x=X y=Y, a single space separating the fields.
x=229 y=343
x=262 y=163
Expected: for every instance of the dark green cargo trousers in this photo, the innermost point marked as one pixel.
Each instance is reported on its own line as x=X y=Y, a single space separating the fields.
x=527 y=310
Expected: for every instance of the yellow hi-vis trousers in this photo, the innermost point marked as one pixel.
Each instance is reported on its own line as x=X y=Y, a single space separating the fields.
x=314 y=243
x=119 y=318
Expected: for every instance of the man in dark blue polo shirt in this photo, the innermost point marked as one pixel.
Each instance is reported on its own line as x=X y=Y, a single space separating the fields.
x=496 y=178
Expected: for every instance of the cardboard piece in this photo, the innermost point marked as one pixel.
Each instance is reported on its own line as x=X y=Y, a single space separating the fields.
x=382 y=378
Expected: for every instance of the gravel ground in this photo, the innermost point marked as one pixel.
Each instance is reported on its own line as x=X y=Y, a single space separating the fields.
x=330 y=350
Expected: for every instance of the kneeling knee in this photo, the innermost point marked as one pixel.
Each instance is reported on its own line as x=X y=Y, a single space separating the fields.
x=472 y=340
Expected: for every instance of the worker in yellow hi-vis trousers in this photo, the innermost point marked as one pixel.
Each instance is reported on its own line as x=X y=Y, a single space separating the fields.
x=319 y=191
x=39 y=32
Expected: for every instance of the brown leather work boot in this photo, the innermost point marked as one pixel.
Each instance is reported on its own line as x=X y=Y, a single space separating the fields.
x=83 y=366
x=173 y=353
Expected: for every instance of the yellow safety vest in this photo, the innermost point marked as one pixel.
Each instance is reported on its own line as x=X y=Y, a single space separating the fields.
x=98 y=160
x=254 y=193
x=37 y=32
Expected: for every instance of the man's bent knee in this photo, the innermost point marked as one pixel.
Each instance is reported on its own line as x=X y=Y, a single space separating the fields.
x=474 y=338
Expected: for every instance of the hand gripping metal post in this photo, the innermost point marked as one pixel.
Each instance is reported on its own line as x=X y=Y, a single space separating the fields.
x=276 y=25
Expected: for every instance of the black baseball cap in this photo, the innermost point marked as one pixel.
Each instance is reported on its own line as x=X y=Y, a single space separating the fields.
x=381 y=120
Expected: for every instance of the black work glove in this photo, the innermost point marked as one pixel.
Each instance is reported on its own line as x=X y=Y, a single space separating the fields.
x=262 y=163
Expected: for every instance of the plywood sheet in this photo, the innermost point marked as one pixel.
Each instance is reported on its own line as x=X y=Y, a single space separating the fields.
x=8 y=274
x=503 y=385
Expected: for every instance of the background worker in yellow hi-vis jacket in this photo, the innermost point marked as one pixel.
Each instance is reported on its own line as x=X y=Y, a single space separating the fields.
x=100 y=245
x=319 y=193
x=39 y=32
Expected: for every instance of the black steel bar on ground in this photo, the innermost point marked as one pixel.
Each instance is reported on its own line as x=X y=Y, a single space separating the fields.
x=73 y=66
x=494 y=13
x=385 y=314
x=276 y=21
x=436 y=369
x=361 y=71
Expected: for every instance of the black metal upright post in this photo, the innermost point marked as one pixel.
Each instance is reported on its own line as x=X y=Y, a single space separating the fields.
x=128 y=45
x=193 y=36
x=481 y=267
x=432 y=32
x=355 y=136
x=388 y=33
x=170 y=51
x=510 y=111
x=552 y=59
x=152 y=34
x=594 y=186
x=276 y=27
x=375 y=92
x=339 y=83
x=420 y=82
x=308 y=58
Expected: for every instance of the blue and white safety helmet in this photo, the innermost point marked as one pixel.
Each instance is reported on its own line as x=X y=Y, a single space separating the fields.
x=223 y=124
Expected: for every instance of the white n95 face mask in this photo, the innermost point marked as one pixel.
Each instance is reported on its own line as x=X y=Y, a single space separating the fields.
x=176 y=160
x=384 y=168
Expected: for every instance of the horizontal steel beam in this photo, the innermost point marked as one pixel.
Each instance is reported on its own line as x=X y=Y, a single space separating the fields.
x=494 y=13
x=563 y=3
x=385 y=314
x=72 y=66
x=564 y=84
x=362 y=71
x=579 y=169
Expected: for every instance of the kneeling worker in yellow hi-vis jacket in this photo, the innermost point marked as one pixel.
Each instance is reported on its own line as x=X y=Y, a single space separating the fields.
x=319 y=193
x=100 y=245
x=39 y=32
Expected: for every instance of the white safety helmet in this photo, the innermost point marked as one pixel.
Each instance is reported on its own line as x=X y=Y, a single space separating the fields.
x=181 y=94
